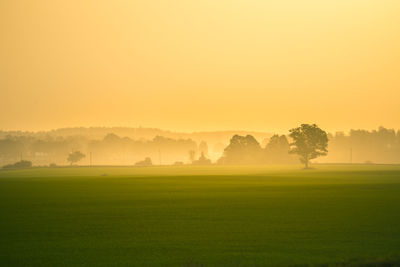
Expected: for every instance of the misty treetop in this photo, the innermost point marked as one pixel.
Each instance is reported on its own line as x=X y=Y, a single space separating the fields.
x=242 y=150
x=75 y=157
x=247 y=150
x=309 y=142
x=277 y=149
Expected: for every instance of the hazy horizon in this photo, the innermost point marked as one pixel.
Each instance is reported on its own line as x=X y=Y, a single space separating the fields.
x=269 y=131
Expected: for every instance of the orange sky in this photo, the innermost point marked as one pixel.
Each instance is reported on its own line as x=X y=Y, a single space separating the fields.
x=200 y=65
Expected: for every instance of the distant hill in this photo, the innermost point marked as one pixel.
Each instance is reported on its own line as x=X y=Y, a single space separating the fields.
x=93 y=133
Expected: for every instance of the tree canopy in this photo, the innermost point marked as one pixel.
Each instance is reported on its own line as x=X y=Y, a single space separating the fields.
x=242 y=150
x=309 y=142
x=144 y=163
x=75 y=157
x=277 y=151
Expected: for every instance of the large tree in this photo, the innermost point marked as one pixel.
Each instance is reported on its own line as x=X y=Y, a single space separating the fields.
x=309 y=142
x=242 y=150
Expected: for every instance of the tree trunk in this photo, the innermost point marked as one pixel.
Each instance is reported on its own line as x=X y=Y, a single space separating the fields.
x=306 y=162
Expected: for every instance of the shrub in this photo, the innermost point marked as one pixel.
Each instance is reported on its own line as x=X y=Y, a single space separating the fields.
x=144 y=163
x=23 y=164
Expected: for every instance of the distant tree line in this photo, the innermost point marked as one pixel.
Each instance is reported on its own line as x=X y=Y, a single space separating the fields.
x=361 y=146
x=358 y=146
x=22 y=164
x=308 y=142
x=111 y=149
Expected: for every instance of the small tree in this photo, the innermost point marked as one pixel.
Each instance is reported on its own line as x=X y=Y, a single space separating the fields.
x=192 y=155
x=144 y=163
x=309 y=142
x=75 y=157
x=203 y=148
x=202 y=160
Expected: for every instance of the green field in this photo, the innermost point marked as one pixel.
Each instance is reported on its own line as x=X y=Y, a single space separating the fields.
x=199 y=216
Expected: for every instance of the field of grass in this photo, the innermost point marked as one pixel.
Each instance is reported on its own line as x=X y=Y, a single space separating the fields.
x=199 y=216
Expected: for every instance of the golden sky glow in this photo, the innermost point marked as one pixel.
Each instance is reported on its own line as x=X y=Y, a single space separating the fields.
x=200 y=65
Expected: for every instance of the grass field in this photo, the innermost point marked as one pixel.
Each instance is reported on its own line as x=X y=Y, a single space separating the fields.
x=199 y=216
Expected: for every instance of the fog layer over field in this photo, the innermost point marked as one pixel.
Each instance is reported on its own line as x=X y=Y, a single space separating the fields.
x=125 y=146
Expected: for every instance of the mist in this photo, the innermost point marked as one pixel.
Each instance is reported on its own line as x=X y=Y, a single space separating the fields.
x=127 y=146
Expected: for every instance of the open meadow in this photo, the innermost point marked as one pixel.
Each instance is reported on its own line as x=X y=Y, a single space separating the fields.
x=199 y=216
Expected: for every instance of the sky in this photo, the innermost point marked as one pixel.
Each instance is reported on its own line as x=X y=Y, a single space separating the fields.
x=200 y=65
